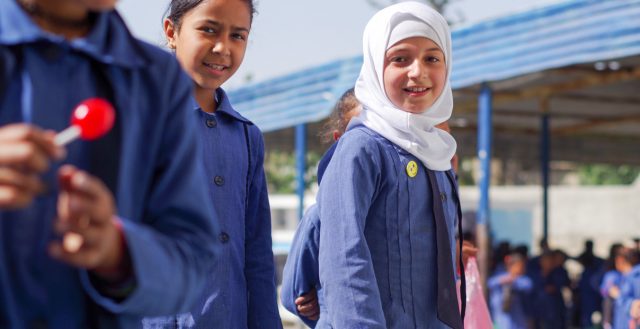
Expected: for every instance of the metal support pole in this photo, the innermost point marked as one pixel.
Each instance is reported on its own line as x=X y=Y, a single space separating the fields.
x=301 y=165
x=544 y=166
x=484 y=155
x=484 y=151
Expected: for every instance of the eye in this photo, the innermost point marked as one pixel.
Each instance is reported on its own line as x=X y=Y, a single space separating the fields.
x=398 y=59
x=208 y=30
x=239 y=36
x=432 y=59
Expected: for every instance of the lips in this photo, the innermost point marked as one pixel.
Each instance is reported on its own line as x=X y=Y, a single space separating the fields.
x=416 y=90
x=216 y=67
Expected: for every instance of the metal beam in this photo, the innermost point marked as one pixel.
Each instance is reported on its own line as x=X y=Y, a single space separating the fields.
x=586 y=81
x=594 y=123
x=301 y=165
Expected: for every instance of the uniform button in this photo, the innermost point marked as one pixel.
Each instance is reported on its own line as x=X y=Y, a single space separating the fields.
x=443 y=197
x=219 y=180
x=212 y=123
x=224 y=237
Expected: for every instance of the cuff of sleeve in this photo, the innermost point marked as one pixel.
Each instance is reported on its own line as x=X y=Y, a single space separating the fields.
x=114 y=296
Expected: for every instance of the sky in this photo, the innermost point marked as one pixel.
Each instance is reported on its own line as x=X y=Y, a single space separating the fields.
x=289 y=35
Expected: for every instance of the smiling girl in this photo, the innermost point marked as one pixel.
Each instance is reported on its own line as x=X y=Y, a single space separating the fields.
x=388 y=201
x=210 y=38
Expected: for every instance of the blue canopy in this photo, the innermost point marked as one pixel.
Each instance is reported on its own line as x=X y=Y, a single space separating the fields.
x=573 y=32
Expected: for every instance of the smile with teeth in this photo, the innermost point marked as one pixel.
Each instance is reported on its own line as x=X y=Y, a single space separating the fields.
x=215 y=67
x=416 y=89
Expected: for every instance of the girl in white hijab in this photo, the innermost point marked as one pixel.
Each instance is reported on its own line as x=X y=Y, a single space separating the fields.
x=376 y=201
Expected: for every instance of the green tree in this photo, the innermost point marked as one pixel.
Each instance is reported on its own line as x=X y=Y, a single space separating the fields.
x=602 y=174
x=280 y=168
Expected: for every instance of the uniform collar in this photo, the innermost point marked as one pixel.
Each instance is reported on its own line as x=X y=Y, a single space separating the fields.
x=108 y=42
x=224 y=106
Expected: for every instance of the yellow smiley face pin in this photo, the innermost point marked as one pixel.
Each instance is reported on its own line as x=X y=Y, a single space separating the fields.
x=412 y=169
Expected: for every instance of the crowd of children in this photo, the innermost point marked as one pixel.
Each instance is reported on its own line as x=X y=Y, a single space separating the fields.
x=538 y=292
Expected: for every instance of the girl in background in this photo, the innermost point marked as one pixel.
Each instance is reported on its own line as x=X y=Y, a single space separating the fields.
x=210 y=38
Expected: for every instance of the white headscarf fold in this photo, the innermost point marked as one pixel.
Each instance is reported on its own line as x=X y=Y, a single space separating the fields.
x=414 y=133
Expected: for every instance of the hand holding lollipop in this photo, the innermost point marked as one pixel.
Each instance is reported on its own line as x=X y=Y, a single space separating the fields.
x=90 y=120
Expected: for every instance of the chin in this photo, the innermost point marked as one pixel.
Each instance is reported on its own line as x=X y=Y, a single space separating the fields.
x=100 y=5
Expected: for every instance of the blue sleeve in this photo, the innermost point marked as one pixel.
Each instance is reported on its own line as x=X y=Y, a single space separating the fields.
x=495 y=281
x=300 y=273
x=351 y=293
x=172 y=243
x=523 y=283
x=259 y=265
x=631 y=291
x=324 y=161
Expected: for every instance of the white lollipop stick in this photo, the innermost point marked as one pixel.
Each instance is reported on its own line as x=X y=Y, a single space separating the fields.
x=67 y=136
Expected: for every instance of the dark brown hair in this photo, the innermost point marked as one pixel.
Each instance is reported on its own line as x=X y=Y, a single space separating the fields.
x=178 y=8
x=347 y=103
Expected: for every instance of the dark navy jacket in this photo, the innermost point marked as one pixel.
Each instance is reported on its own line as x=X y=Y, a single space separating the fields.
x=150 y=161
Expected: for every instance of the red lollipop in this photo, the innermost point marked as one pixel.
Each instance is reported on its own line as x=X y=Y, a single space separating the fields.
x=91 y=119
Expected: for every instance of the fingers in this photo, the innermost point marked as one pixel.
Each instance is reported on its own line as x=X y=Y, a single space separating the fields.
x=25 y=152
x=83 y=195
x=21 y=180
x=85 y=222
x=83 y=257
x=28 y=146
x=307 y=305
x=18 y=188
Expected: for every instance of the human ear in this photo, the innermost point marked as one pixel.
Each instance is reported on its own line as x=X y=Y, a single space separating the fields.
x=170 y=33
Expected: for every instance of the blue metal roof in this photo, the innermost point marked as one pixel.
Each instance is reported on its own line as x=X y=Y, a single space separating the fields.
x=573 y=32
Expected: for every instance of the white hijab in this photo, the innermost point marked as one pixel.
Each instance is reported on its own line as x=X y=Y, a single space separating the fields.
x=414 y=133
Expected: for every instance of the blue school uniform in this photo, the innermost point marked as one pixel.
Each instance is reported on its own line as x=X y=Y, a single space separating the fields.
x=377 y=255
x=301 y=273
x=588 y=291
x=514 y=316
x=549 y=305
x=149 y=161
x=324 y=161
x=629 y=291
x=611 y=278
x=240 y=290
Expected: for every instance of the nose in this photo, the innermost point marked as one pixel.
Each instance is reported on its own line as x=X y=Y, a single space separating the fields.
x=220 y=47
x=416 y=70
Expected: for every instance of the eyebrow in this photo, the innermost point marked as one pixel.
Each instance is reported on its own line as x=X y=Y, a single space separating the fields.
x=218 y=24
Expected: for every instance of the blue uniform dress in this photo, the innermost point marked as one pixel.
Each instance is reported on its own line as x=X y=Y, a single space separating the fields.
x=324 y=161
x=150 y=161
x=629 y=291
x=377 y=242
x=240 y=290
x=549 y=305
x=611 y=278
x=589 y=290
x=301 y=273
x=514 y=315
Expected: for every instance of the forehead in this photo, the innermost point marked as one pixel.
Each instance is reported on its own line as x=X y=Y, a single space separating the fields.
x=97 y=5
x=232 y=12
x=415 y=43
